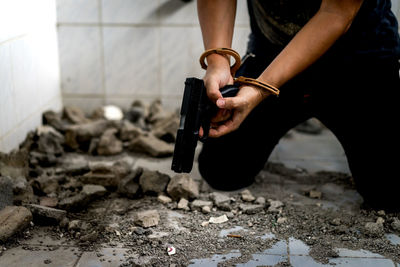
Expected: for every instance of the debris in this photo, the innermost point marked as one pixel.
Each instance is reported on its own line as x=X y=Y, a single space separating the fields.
x=109 y=144
x=164 y=199
x=182 y=186
x=79 y=201
x=44 y=184
x=53 y=119
x=152 y=146
x=275 y=206
x=373 y=229
x=281 y=220
x=129 y=186
x=167 y=128
x=106 y=175
x=235 y=236
x=247 y=196
x=46 y=215
x=183 y=204
x=49 y=140
x=130 y=131
x=218 y=220
x=79 y=136
x=147 y=218
x=315 y=194
x=136 y=113
x=205 y=223
x=50 y=202
x=260 y=200
x=206 y=209
x=251 y=209
x=6 y=191
x=220 y=200
x=13 y=219
x=199 y=204
x=396 y=224
x=153 y=181
x=380 y=220
x=171 y=250
x=75 y=115
x=336 y=222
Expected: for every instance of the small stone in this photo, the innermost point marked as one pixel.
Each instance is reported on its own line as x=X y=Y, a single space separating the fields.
x=275 y=206
x=380 y=220
x=373 y=229
x=281 y=220
x=130 y=131
x=153 y=181
x=247 y=196
x=13 y=219
x=251 y=209
x=230 y=215
x=183 y=204
x=50 y=141
x=49 y=201
x=182 y=186
x=91 y=237
x=151 y=145
x=218 y=220
x=79 y=136
x=336 y=222
x=82 y=199
x=167 y=128
x=219 y=198
x=46 y=215
x=205 y=223
x=164 y=199
x=381 y=213
x=396 y=224
x=147 y=218
x=94 y=191
x=75 y=225
x=260 y=200
x=74 y=115
x=109 y=144
x=199 y=204
x=206 y=209
x=315 y=194
x=129 y=186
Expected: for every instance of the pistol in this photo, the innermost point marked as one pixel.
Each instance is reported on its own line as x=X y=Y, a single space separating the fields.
x=196 y=110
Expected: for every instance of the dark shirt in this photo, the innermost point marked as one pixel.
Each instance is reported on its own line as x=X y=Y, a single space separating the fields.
x=374 y=30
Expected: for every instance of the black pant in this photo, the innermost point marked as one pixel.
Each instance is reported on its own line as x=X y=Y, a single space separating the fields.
x=356 y=97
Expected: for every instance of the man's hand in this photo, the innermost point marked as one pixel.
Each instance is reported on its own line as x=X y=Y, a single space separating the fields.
x=236 y=109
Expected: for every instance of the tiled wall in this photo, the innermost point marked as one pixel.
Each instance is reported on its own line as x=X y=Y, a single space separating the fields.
x=29 y=67
x=115 y=51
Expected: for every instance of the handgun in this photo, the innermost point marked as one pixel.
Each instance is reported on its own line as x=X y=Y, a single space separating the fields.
x=197 y=111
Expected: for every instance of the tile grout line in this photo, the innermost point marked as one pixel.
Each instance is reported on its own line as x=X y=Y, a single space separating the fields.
x=288 y=250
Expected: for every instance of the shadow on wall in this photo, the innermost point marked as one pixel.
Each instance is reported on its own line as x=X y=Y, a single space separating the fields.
x=167 y=9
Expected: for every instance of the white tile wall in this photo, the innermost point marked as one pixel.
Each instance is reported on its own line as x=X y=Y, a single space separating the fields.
x=144 y=50
x=29 y=68
x=128 y=11
x=78 y=11
x=80 y=59
x=131 y=61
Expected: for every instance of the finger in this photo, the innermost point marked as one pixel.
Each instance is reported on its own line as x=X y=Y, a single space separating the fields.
x=222 y=115
x=228 y=126
x=213 y=92
x=201 y=132
x=230 y=102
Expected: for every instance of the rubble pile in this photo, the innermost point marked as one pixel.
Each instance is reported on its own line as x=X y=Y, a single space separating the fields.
x=47 y=177
x=76 y=176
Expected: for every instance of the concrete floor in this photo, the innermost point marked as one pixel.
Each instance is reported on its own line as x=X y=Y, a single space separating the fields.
x=310 y=152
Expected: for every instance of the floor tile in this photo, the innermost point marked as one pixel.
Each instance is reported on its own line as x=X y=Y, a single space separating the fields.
x=105 y=257
x=214 y=260
x=361 y=262
x=394 y=239
x=298 y=247
x=344 y=252
x=39 y=256
x=264 y=260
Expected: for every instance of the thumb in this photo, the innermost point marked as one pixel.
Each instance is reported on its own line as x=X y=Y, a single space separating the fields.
x=229 y=102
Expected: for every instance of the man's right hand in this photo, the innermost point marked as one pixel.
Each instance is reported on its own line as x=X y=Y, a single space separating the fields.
x=218 y=75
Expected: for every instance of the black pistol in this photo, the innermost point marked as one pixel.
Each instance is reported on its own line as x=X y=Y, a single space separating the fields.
x=196 y=110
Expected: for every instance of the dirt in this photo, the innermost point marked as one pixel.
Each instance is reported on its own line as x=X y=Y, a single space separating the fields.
x=323 y=210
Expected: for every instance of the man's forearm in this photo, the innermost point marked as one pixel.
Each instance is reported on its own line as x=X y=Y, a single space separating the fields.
x=217 y=19
x=310 y=43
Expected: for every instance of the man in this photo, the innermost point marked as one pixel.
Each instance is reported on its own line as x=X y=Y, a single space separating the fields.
x=336 y=60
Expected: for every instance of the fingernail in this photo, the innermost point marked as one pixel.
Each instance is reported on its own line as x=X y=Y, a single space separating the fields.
x=220 y=103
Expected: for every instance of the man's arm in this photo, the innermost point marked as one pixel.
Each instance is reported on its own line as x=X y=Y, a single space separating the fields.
x=217 y=19
x=331 y=21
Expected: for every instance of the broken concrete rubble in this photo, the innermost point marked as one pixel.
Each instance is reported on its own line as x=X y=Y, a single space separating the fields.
x=251 y=208
x=129 y=185
x=46 y=215
x=198 y=204
x=275 y=206
x=182 y=186
x=183 y=204
x=109 y=144
x=153 y=181
x=13 y=219
x=147 y=218
x=151 y=145
x=80 y=200
x=247 y=196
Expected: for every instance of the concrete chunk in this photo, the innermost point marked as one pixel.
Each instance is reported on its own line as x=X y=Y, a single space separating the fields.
x=182 y=186
x=147 y=218
x=13 y=219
